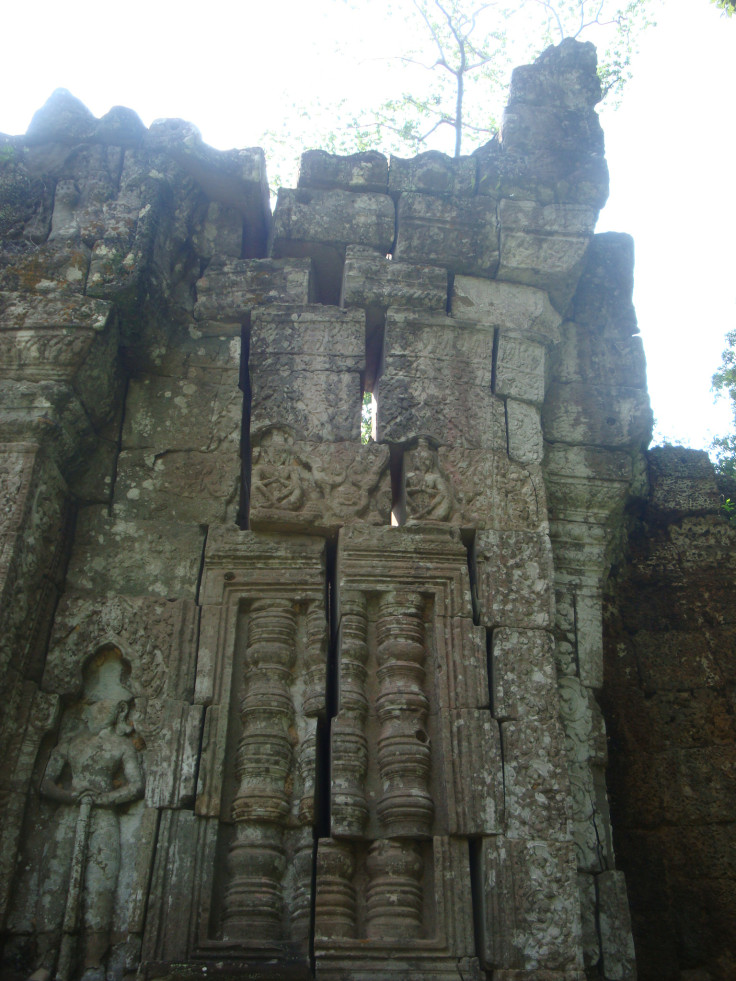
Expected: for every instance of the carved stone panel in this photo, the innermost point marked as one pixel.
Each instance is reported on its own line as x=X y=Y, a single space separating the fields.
x=317 y=486
x=436 y=382
x=305 y=365
x=262 y=673
x=413 y=697
x=395 y=908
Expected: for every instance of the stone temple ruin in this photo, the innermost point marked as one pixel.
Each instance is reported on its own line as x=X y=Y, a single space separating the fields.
x=281 y=703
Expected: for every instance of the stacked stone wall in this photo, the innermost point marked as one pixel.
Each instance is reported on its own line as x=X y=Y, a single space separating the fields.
x=669 y=705
x=281 y=702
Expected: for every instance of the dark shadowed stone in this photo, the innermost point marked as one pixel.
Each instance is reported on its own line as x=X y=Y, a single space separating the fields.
x=604 y=294
x=63 y=119
x=120 y=127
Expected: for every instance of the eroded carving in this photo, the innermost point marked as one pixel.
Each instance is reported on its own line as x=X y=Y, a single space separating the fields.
x=94 y=770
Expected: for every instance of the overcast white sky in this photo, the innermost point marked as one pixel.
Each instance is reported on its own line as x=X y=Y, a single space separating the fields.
x=234 y=71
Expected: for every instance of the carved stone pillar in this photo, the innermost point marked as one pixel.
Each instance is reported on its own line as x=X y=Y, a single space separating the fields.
x=404 y=759
x=253 y=904
x=394 y=900
x=350 y=766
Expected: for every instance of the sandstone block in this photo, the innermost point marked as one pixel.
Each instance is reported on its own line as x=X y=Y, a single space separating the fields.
x=366 y=171
x=317 y=486
x=25 y=311
x=436 y=382
x=198 y=412
x=473 y=745
x=321 y=224
x=591 y=822
x=46 y=269
x=592 y=356
x=564 y=75
x=179 y=485
x=520 y=311
x=530 y=917
x=219 y=234
x=524 y=429
x=231 y=288
x=536 y=783
x=48 y=413
x=523 y=674
x=520 y=368
x=135 y=557
x=580 y=413
x=62 y=118
x=514 y=576
x=458 y=233
x=604 y=295
x=484 y=489
x=589 y=920
x=544 y=246
x=376 y=283
x=682 y=481
x=433 y=173
x=234 y=178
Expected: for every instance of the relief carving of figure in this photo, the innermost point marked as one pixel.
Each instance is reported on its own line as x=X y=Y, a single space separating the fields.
x=92 y=772
x=428 y=493
x=276 y=478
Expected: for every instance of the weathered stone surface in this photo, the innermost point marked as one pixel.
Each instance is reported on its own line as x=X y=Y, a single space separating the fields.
x=604 y=294
x=317 y=486
x=436 y=383
x=617 y=946
x=219 y=234
x=119 y=127
x=363 y=944
x=23 y=311
x=529 y=908
x=589 y=355
x=514 y=572
x=235 y=178
x=523 y=674
x=486 y=490
x=517 y=309
x=305 y=366
x=321 y=224
x=520 y=368
x=588 y=919
x=524 y=430
x=580 y=413
x=62 y=119
x=563 y=75
x=458 y=233
x=178 y=485
x=107 y=555
x=231 y=288
x=433 y=173
x=536 y=786
x=682 y=481
x=544 y=246
x=353 y=172
x=376 y=283
x=198 y=412
x=46 y=268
